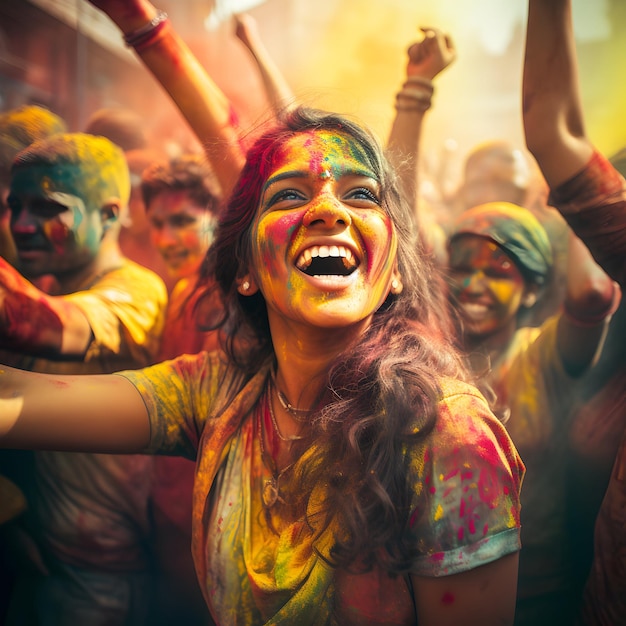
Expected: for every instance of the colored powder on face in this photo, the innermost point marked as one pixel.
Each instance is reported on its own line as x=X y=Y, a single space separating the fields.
x=57 y=233
x=333 y=154
x=90 y=167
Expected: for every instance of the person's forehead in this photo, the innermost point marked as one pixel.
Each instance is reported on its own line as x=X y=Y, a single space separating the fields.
x=51 y=176
x=323 y=147
x=175 y=201
x=476 y=244
x=503 y=167
x=55 y=181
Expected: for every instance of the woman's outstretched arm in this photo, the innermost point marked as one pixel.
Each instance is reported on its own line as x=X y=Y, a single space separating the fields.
x=88 y=413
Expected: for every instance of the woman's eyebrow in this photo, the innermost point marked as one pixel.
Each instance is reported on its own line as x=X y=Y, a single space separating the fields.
x=274 y=179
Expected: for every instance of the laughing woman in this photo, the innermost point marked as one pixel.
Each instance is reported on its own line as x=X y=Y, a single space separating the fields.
x=346 y=471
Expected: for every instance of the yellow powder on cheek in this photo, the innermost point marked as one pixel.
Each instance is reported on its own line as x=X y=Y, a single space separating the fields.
x=503 y=290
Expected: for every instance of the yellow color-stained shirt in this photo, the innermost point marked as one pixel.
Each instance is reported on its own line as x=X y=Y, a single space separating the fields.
x=464 y=476
x=90 y=510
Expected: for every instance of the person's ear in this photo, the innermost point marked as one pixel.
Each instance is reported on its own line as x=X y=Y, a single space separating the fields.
x=110 y=213
x=396 y=282
x=246 y=285
x=530 y=297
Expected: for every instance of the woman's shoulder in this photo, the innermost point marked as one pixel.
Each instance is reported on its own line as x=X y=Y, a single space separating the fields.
x=465 y=419
x=460 y=401
x=187 y=374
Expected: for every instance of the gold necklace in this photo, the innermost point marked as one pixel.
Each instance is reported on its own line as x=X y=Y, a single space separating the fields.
x=270 y=492
x=288 y=438
x=299 y=415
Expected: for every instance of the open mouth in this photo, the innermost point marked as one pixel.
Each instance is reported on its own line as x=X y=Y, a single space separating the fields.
x=28 y=250
x=474 y=310
x=327 y=261
x=175 y=257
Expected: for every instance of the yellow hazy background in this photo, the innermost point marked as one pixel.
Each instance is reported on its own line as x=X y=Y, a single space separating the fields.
x=349 y=56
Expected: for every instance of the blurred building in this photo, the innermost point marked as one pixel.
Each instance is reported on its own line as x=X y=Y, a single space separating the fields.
x=345 y=55
x=55 y=55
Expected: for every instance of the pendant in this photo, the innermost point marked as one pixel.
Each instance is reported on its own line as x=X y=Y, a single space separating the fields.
x=270 y=492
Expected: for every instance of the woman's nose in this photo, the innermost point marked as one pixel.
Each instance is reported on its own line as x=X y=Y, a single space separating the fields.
x=475 y=281
x=327 y=211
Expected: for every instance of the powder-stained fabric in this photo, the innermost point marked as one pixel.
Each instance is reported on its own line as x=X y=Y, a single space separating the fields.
x=465 y=480
x=90 y=510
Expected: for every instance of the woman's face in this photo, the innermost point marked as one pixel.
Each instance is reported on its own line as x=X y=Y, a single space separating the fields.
x=323 y=249
x=486 y=285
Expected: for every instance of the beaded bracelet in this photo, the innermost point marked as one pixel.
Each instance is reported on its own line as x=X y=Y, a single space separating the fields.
x=418 y=99
x=147 y=31
x=420 y=80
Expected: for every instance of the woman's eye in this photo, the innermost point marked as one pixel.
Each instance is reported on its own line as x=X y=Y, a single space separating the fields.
x=285 y=195
x=363 y=193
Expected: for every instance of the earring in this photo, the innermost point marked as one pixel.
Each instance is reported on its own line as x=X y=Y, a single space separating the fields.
x=245 y=285
x=530 y=299
x=395 y=286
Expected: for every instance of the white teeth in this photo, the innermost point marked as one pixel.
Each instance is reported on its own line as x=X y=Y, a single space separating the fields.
x=475 y=309
x=304 y=260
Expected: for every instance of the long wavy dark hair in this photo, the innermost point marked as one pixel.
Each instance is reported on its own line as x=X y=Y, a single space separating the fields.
x=380 y=395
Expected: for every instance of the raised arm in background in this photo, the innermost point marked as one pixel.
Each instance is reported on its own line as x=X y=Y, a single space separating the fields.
x=426 y=59
x=277 y=89
x=197 y=96
x=555 y=134
x=591 y=195
x=552 y=110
